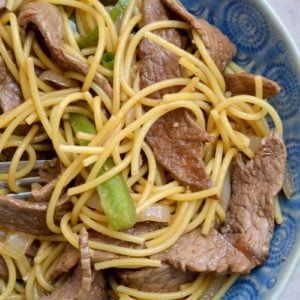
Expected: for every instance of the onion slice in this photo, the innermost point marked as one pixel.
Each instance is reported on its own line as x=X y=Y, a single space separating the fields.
x=226 y=191
x=288 y=187
x=156 y=213
x=58 y=79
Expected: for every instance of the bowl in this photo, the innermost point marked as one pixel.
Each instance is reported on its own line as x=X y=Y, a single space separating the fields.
x=265 y=47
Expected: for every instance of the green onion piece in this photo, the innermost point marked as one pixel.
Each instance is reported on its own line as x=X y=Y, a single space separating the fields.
x=88 y=40
x=114 y=194
x=118 y=9
x=91 y=38
x=108 y=60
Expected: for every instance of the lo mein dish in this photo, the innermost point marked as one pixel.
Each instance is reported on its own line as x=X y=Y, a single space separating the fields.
x=162 y=157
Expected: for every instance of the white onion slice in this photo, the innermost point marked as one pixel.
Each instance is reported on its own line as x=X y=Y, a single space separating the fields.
x=226 y=191
x=58 y=79
x=156 y=213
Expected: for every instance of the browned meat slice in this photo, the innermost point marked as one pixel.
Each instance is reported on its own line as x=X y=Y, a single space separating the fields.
x=43 y=193
x=176 y=139
x=3 y=269
x=71 y=288
x=177 y=142
x=66 y=262
x=51 y=170
x=85 y=264
x=250 y=219
x=157 y=63
x=244 y=84
x=47 y=18
x=10 y=92
x=218 y=45
x=165 y=279
x=29 y=217
x=212 y=253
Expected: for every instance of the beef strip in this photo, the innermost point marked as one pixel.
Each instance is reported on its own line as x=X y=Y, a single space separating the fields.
x=10 y=92
x=51 y=170
x=85 y=264
x=177 y=143
x=244 y=84
x=70 y=290
x=43 y=193
x=250 y=218
x=70 y=256
x=3 y=269
x=176 y=139
x=199 y=253
x=165 y=279
x=67 y=261
x=29 y=217
x=218 y=45
x=157 y=63
x=47 y=18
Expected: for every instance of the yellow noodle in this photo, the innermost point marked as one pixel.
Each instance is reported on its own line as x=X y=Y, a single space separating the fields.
x=127 y=263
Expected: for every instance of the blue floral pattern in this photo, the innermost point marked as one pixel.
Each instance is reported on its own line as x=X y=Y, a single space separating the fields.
x=264 y=48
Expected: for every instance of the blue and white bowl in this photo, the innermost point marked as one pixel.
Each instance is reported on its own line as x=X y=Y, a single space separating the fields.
x=265 y=47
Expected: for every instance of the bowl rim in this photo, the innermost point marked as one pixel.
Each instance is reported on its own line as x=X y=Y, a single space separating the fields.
x=278 y=25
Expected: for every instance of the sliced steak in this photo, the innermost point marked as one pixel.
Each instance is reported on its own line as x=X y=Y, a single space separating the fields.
x=85 y=264
x=244 y=84
x=71 y=288
x=29 y=217
x=157 y=63
x=165 y=279
x=3 y=269
x=43 y=193
x=199 y=253
x=250 y=218
x=218 y=45
x=177 y=142
x=67 y=261
x=10 y=92
x=176 y=139
x=51 y=170
x=47 y=18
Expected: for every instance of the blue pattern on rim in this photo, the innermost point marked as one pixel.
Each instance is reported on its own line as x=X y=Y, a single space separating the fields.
x=263 y=48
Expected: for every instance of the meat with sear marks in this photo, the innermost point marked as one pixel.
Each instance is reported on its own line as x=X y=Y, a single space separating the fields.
x=250 y=218
x=245 y=238
x=218 y=45
x=83 y=283
x=164 y=279
x=30 y=217
x=48 y=20
x=205 y=253
x=158 y=63
x=177 y=142
x=10 y=92
x=176 y=139
x=244 y=84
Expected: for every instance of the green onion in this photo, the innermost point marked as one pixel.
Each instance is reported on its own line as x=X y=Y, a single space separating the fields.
x=114 y=194
x=108 y=60
x=118 y=9
x=91 y=38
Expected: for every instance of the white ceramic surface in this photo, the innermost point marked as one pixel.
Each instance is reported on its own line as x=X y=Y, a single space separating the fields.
x=289 y=13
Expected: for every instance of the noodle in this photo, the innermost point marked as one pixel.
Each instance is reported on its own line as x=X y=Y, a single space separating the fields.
x=121 y=125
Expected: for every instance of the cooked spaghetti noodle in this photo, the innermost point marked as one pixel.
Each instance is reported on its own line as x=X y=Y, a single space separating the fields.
x=121 y=125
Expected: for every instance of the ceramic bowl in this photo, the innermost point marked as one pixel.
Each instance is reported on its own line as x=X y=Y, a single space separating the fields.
x=265 y=47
